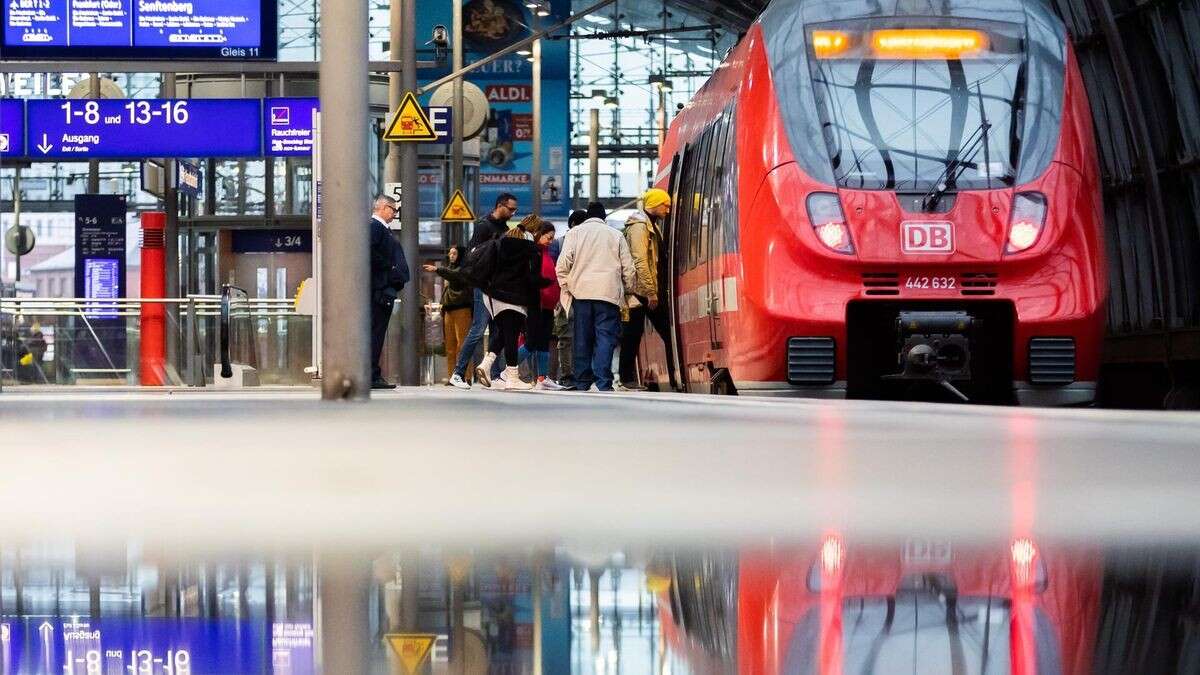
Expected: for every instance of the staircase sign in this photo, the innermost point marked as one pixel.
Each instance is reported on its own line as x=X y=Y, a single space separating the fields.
x=411 y=650
x=410 y=123
x=457 y=210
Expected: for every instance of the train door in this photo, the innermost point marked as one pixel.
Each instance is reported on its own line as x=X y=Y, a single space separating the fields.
x=673 y=232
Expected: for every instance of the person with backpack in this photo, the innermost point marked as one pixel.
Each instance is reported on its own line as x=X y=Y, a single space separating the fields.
x=491 y=226
x=509 y=274
x=389 y=274
x=456 y=303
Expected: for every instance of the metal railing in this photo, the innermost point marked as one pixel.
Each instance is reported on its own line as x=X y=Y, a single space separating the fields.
x=40 y=338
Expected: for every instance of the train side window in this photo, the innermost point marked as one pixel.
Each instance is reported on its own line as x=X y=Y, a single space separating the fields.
x=730 y=185
x=717 y=189
x=683 y=214
x=696 y=199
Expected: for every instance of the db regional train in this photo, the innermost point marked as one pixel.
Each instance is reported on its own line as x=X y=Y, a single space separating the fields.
x=921 y=606
x=887 y=199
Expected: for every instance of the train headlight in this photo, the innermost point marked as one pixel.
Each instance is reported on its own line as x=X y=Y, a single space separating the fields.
x=828 y=222
x=1026 y=222
x=826 y=571
x=1028 y=568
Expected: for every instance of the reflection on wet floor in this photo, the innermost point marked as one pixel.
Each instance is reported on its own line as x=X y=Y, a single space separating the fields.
x=622 y=636
x=832 y=606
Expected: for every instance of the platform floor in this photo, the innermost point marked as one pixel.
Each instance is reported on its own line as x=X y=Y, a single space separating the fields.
x=278 y=466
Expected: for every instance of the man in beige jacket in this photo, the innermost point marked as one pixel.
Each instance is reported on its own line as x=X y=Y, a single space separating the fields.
x=595 y=272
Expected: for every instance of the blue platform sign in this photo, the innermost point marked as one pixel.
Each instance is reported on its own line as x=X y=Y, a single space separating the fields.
x=12 y=127
x=288 y=126
x=121 y=128
x=131 y=29
x=154 y=646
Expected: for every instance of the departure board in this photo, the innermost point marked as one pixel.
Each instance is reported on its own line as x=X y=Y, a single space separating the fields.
x=133 y=29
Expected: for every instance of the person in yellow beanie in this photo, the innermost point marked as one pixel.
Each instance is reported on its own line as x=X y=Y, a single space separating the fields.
x=643 y=231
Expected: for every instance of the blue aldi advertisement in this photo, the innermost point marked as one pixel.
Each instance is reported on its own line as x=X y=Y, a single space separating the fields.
x=506 y=161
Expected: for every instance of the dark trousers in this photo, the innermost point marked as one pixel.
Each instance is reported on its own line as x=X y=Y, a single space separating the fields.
x=631 y=338
x=508 y=325
x=380 y=316
x=597 y=324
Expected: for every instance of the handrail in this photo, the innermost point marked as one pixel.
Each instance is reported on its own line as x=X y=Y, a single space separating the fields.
x=204 y=305
x=226 y=325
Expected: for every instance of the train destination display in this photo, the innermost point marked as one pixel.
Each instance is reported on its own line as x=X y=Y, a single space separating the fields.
x=118 y=128
x=131 y=29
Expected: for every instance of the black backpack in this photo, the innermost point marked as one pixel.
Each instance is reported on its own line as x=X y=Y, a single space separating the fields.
x=481 y=263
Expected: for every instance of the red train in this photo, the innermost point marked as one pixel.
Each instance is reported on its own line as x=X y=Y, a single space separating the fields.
x=878 y=202
x=920 y=606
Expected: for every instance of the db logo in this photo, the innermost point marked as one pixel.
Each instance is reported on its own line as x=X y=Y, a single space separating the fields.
x=927 y=237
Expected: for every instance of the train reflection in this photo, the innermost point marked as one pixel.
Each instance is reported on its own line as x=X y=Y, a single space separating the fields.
x=833 y=605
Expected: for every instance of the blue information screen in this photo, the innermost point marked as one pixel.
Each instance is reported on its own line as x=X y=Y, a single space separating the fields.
x=130 y=29
x=119 y=128
x=12 y=127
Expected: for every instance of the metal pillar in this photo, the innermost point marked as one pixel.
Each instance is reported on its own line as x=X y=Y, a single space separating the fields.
x=537 y=125
x=458 y=632
x=17 y=219
x=594 y=157
x=410 y=308
x=344 y=582
x=93 y=164
x=345 y=261
x=537 y=614
x=456 y=126
x=662 y=116
x=171 y=241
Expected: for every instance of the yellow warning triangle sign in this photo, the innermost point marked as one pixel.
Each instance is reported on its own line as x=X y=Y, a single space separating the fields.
x=457 y=209
x=412 y=649
x=410 y=123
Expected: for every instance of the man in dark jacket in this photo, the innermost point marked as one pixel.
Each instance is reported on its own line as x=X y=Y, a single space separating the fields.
x=389 y=274
x=490 y=227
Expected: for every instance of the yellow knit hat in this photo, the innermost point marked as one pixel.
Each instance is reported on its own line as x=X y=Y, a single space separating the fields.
x=655 y=197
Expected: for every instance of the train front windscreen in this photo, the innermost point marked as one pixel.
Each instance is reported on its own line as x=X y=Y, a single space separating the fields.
x=906 y=108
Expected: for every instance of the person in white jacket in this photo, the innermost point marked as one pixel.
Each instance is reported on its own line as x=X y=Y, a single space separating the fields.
x=595 y=272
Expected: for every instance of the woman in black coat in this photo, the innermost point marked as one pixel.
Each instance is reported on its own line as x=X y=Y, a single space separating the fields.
x=512 y=288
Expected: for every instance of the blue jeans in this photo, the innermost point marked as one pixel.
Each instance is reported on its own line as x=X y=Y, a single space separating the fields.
x=479 y=322
x=597 y=324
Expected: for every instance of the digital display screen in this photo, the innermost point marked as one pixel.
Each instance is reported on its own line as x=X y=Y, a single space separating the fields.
x=118 y=128
x=131 y=29
x=12 y=127
x=101 y=281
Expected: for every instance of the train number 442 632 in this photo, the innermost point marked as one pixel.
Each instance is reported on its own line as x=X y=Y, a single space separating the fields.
x=931 y=283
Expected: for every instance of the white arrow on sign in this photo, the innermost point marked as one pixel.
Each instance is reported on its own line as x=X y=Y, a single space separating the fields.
x=45 y=629
x=45 y=147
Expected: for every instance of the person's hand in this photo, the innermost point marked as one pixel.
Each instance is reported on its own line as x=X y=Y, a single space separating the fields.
x=429 y=268
x=652 y=303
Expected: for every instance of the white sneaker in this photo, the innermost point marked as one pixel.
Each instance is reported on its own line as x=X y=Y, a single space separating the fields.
x=458 y=383
x=513 y=381
x=549 y=385
x=481 y=372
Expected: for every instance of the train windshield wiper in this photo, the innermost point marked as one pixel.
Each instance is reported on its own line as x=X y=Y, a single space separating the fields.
x=954 y=168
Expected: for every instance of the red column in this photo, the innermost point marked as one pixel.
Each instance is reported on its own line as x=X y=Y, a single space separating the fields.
x=154 y=285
